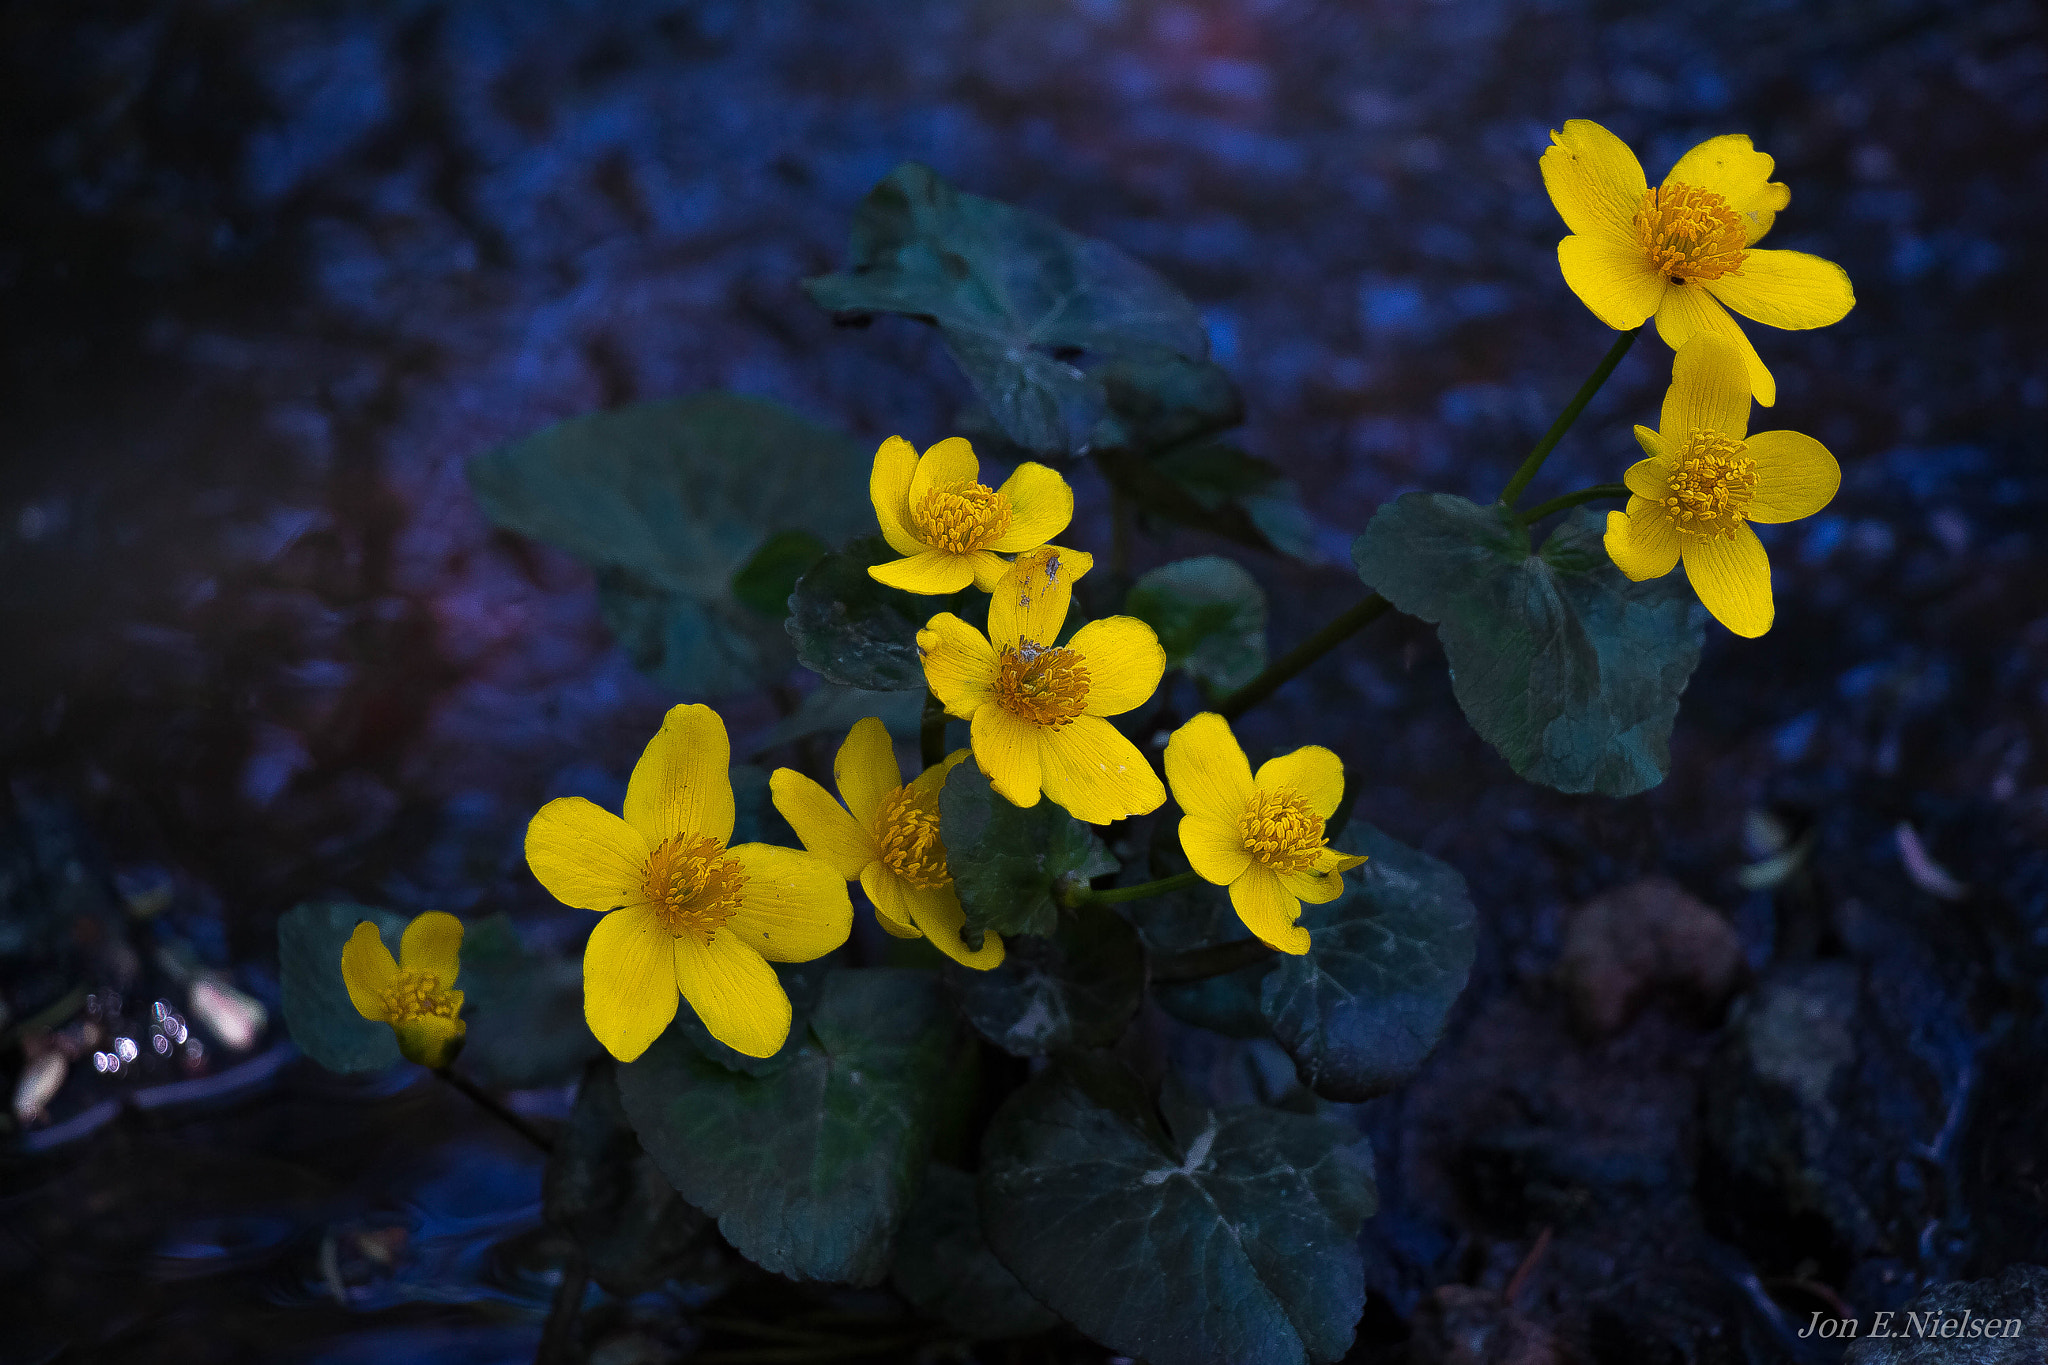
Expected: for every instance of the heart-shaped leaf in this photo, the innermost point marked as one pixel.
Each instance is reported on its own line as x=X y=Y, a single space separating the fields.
x=1210 y=616
x=850 y=629
x=1008 y=861
x=1078 y=987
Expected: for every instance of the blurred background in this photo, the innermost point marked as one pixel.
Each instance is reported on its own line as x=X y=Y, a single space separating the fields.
x=1761 y=1043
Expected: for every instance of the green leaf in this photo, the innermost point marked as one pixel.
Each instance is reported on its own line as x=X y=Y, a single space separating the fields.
x=317 y=1011
x=1215 y=1238
x=829 y=709
x=670 y=501
x=945 y=1268
x=1215 y=487
x=1559 y=661
x=1361 y=1009
x=856 y=632
x=1070 y=343
x=1008 y=861
x=524 y=1011
x=809 y=1169
x=1077 y=988
x=1210 y=616
x=600 y=1188
x=765 y=582
x=1200 y=917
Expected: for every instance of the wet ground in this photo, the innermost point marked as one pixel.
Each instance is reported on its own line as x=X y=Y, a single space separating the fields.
x=273 y=272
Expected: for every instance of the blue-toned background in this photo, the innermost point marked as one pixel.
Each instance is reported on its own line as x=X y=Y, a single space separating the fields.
x=273 y=272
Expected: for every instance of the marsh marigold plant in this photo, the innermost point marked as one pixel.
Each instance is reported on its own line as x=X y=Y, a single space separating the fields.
x=415 y=992
x=951 y=528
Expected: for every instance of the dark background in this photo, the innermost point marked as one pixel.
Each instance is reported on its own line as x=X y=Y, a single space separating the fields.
x=273 y=271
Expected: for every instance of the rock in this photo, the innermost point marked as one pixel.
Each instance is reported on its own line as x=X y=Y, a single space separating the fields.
x=1976 y=1322
x=1647 y=938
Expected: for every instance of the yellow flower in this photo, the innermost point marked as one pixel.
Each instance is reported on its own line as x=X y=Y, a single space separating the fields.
x=1037 y=709
x=1260 y=836
x=416 y=994
x=934 y=510
x=1705 y=480
x=1681 y=251
x=685 y=912
x=890 y=842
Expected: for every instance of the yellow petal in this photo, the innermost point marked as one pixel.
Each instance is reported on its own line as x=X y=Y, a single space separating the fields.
x=987 y=568
x=1732 y=168
x=1789 y=289
x=1268 y=910
x=1006 y=749
x=937 y=912
x=429 y=1039
x=951 y=461
x=1649 y=478
x=889 y=489
x=959 y=664
x=1615 y=279
x=1642 y=542
x=682 y=783
x=886 y=890
x=1312 y=772
x=368 y=970
x=1041 y=505
x=865 y=770
x=793 y=907
x=1795 y=476
x=1316 y=888
x=432 y=946
x=821 y=823
x=1330 y=860
x=629 y=981
x=1125 y=663
x=1653 y=444
x=586 y=856
x=1030 y=602
x=932 y=573
x=927 y=783
x=1733 y=579
x=1097 y=774
x=1709 y=391
x=1594 y=180
x=734 y=991
x=1215 y=850
x=1689 y=311
x=1209 y=773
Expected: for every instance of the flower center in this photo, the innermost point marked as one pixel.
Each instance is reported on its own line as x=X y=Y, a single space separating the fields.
x=418 y=994
x=1281 y=831
x=908 y=832
x=1044 y=684
x=1712 y=486
x=1690 y=233
x=693 y=886
x=961 y=516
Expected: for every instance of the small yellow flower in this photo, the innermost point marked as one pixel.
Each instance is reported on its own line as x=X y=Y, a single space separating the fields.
x=1683 y=250
x=1037 y=709
x=1260 y=836
x=890 y=841
x=935 y=510
x=1705 y=480
x=415 y=994
x=683 y=912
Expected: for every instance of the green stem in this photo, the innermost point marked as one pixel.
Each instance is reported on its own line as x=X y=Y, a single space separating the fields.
x=1568 y=416
x=1117 y=895
x=931 y=731
x=1302 y=655
x=1218 y=959
x=495 y=1107
x=1559 y=504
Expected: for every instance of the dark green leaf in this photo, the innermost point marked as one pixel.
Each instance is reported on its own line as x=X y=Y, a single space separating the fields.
x=945 y=1268
x=1077 y=988
x=1008 y=861
x=1210 y=616
x=1070 y=343
x=1386 y=961
x=1200 y=917
x=1226 y=1239
x=1215 y=487
x=808 y=1169
x=669 y=501
x=765 y=582
x=856 y=632
x=524 y=1010
x=829 y=709
x=317 y=1010
x=1560 y=662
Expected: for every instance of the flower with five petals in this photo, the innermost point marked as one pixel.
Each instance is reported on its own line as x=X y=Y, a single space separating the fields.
x=950 y=526
x=415 y=993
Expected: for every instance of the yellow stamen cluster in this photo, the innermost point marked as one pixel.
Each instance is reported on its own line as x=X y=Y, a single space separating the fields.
x=1281 y=831
x=1043 y=684
x=693 y=886
x=1711 y=486
x=417 y=995
x=1690 y=233
x=961 y=517
x=908 y=832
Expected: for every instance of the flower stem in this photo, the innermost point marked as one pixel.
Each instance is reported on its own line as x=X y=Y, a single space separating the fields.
x=1117 y=895
x=495 y=1107
x=931 y=731
x=1302 y=655
x=1559 y=504
x=1568 y=416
